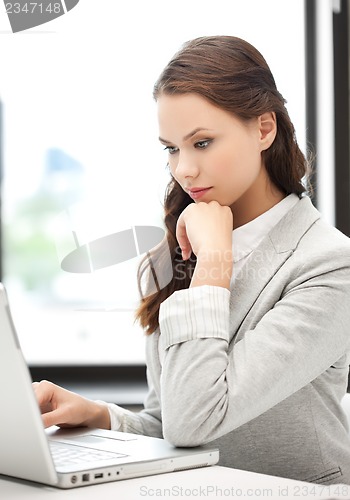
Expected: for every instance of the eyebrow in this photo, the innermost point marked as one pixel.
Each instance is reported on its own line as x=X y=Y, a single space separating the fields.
x=187 y=136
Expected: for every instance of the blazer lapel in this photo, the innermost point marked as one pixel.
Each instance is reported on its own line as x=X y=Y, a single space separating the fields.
x=268 y=257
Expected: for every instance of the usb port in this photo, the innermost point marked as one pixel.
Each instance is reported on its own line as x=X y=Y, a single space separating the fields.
x=99 y=475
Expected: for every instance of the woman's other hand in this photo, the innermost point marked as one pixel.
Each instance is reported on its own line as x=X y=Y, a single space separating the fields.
x=206 y=230
x=66 y=409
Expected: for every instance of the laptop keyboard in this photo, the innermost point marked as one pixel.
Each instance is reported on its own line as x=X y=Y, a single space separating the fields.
x=64 y=454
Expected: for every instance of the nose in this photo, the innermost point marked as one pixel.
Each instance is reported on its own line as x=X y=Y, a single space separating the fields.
x=186 y=167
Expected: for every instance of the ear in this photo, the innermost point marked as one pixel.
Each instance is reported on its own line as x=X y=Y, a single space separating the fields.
x=267 y=129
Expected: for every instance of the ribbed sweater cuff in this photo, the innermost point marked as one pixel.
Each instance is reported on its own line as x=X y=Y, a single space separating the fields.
x=194 y=313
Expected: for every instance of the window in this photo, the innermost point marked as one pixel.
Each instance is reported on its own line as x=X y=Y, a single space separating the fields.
x=82 y=160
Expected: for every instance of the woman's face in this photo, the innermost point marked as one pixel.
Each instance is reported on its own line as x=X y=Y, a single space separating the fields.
x=212 y=154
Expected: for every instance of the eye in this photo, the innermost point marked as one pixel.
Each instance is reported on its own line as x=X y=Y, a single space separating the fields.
x=203 y=144
x=171 y=149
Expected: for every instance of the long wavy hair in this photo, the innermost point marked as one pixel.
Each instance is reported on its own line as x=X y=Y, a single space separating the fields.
x=233 y=75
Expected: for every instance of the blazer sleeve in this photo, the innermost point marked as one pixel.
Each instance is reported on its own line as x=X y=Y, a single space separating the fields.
x=148 y=421
x=208 y=388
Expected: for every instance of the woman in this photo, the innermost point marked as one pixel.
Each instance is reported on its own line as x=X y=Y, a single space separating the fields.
x=248 y=345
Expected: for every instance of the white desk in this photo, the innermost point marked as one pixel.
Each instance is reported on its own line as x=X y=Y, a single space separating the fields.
x=209 y=482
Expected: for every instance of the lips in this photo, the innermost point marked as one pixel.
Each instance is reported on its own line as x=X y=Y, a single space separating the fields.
x=197 y=193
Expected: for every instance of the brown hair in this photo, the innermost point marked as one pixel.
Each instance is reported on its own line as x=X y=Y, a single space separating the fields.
x=230 y=73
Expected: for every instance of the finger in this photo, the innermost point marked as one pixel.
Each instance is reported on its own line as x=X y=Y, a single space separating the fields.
x=44 y=392
x=182 y=238
x=55 y=417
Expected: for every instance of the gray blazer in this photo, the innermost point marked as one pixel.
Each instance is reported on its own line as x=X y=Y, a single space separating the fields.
x=260 y=371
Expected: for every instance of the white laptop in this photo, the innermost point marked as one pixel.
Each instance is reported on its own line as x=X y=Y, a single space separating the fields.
x=68 y=458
